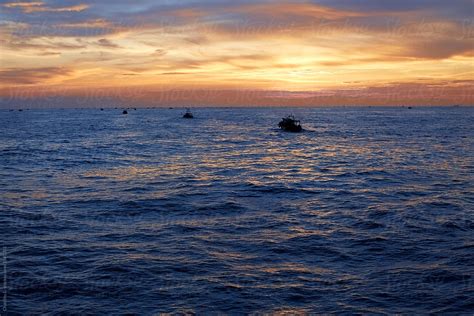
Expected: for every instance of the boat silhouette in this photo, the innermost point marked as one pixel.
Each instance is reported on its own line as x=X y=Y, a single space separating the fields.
x=188 y=114
x=290 y=124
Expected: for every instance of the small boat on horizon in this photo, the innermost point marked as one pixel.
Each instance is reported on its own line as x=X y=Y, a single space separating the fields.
x=290 y=124
x=188 y=114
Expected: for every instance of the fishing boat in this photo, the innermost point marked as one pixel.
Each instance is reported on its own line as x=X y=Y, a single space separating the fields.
x=290 y=124
x=188 y=114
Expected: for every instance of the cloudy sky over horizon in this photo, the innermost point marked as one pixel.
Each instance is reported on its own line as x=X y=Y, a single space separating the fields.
x=292 y=52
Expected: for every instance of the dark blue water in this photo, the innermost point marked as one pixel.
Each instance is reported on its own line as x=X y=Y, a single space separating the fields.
x=370 y=211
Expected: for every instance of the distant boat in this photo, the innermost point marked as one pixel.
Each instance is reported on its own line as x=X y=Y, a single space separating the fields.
x=188 y=114
x=290 y=124
x=124 y=112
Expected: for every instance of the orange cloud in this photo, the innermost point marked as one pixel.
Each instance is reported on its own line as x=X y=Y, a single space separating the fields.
x=23 y=4
x=22 y=76
x=38 y=6
x=295 y=9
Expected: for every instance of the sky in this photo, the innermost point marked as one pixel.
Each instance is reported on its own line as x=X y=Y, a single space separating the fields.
x=237 y=53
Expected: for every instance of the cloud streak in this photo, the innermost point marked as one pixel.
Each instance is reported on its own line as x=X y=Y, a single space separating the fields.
x=38 y=6
x=22 y=76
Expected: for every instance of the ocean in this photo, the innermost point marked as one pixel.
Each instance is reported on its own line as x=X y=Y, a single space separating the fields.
x=369 y=211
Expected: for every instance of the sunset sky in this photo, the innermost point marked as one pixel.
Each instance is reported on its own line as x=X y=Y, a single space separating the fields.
x=212 y=52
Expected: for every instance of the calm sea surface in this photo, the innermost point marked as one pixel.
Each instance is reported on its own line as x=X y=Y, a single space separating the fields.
x=371 y=210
